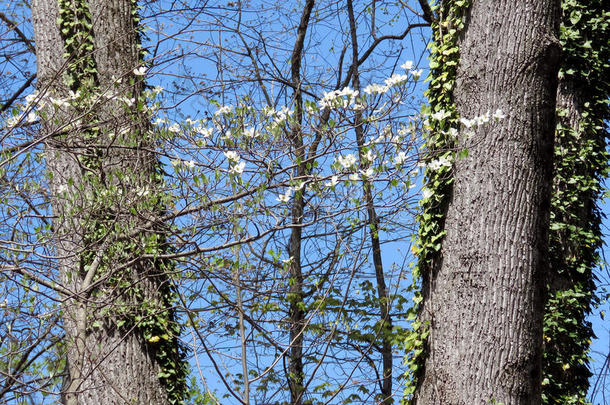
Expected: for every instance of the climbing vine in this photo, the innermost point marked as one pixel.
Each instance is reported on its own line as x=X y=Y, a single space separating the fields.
x=440 y=145
x=581 y=164
x=144 y=307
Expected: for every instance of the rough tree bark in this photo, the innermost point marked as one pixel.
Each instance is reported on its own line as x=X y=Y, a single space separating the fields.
x=483 y=298
x=100 y=169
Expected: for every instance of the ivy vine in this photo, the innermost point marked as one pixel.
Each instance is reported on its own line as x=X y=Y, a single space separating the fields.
x=440 y=143
x=580 y=166
x=133 y=311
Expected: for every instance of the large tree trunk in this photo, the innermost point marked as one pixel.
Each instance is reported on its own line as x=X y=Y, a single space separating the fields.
x=484 y=295
x=120 y=334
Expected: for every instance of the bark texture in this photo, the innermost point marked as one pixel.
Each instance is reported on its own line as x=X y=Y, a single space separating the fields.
x=483 y=300
x=106 y=363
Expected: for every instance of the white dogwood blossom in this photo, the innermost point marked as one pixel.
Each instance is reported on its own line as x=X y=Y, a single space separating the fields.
x=347 y=161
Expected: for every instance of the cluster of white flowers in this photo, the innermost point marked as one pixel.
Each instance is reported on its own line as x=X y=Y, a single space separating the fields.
x=396 y=80
x=408 y=65
x=280 y=115
x=346 y=162
x=338 y=98
x=440 y=115
x=439 y=163
x=426 y=193
x=400 y=158
x=251 y=133
x=203 y=131
x=368 y=173
x=334 y=180
x=375 y=88
x=236 y=165
x=175 y=128
x=417 y=73
x=224 y=110
x=482 y=119
x=238 y=168
x=140 y=71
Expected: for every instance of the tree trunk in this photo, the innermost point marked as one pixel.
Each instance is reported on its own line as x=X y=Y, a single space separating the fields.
x=581 y=164
x=121 y=338
x=483 y=299
x=297 y=311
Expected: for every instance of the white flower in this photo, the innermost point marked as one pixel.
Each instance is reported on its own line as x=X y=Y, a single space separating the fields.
x=347 y=161
x=189 y=121
x=13 y=121
x=333 y=181
x=396 y=79
x=467 y=123
x=453 y=132
x=174 y=128
x=160 y=121
x=299 y=186
x=141 y=71
x=368 y=172
x=335 y=98
x=238 y=168
x=370 y=156
x=62 y=188
x=440 y=162
x=482 y=119
x=408 y=65
x=32 y=117
x=400 y=158
x=417 y=73
x=285 y=197
x=232 y=156
x=157 y=89
x=206 y=132
x=31 y=97
x=375 y=88
x=190 y=164
x=250 y=133
x=354 y=177
x=425 y=193
x=440 y=115
x=499 y=115
x=348 y=92
x=403 y=130
x=225 y=109
x=58 y=102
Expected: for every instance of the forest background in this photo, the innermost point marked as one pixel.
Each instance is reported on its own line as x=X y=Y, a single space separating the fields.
x=221 y=90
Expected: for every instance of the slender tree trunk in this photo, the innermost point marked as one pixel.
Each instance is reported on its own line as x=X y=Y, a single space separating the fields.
x=385 y=322
x=484 y=296
x=297 y=294
x=99 y=173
